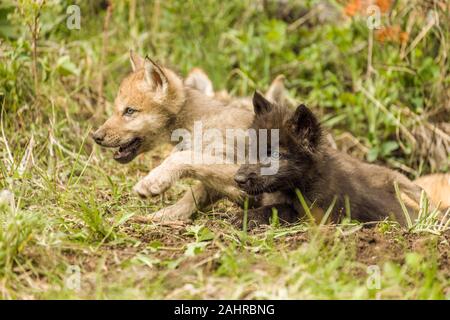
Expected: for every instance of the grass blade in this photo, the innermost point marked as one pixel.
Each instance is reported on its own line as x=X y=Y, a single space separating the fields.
x=305 y=205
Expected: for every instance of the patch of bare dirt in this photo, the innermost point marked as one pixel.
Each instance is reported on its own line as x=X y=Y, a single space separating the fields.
x=374 y=247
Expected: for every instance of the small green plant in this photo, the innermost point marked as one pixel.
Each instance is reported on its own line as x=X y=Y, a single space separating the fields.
x=275 y=221
x=202 y=237
x=17 y=231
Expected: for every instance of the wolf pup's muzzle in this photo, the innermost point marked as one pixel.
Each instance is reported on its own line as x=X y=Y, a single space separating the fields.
x=246 y=178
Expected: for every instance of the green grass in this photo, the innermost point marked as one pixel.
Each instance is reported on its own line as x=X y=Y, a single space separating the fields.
x=66 y=205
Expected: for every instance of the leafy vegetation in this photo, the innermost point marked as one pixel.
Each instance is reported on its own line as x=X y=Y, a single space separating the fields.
x=383 y=94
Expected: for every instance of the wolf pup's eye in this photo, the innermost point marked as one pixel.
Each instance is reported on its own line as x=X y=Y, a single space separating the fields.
x=275 y=155
x=128 y=111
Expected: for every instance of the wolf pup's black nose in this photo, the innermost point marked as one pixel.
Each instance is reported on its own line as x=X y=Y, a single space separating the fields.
x=240 y=178
x=98 y=136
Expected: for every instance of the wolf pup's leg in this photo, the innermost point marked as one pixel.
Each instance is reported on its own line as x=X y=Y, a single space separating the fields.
x=163 y=176
x=180 y=165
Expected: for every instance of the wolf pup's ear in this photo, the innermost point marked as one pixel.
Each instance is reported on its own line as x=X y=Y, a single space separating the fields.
x=260 y=104
x=137 y=62
x=199 y=80
x=276 y=91
x=306 y=126
x=154 y=75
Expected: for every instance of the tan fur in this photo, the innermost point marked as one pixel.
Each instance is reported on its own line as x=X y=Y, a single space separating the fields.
x=437 y=187
x=166 y=104
x=156 y=108
x=276 y=91
x=410 y=202
x=318 y=214
x=198 y=79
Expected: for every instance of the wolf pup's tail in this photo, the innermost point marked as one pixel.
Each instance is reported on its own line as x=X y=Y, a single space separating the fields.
x=437 y=187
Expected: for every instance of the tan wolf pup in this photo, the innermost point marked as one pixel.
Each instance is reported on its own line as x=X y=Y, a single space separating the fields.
x=151 y=104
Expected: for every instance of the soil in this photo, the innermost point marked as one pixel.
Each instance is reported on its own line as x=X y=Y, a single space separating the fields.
x=370 y=245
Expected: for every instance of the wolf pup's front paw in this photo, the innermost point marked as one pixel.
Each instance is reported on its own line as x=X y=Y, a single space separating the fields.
x=153 y=184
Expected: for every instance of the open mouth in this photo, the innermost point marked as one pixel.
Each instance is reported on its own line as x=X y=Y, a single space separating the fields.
x=250 y=189
x=128 y=151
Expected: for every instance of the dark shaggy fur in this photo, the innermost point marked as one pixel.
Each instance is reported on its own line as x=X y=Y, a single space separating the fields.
x=320 y=173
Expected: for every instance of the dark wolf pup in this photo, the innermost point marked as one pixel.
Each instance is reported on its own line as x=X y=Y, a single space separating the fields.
x=321 y=174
